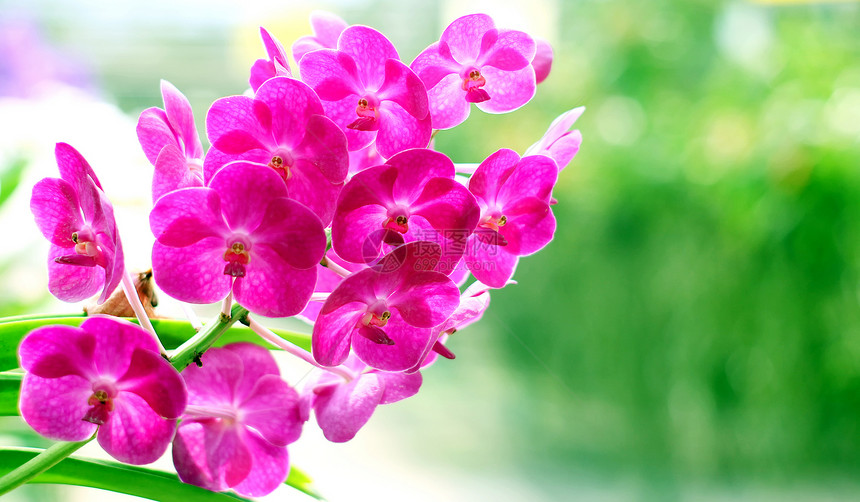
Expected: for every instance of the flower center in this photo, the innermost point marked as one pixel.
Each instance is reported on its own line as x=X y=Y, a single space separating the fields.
x=493 y=222
x=86 y=251
x=281 y=162
x=368 y=115
x=101 y=404
x=472 y=84
x=236 y=257
x=372 y=319
x=399 y=223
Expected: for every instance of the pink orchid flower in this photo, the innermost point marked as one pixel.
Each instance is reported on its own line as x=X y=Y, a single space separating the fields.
x=474 y=62
x=108 y=375
x=239 y=420
x=516 y=220
x=239 y=234
x=170 y=141
x=385 y=312
x=369 y=92
x=74 y=214
x=559 y=142
x=283 y=127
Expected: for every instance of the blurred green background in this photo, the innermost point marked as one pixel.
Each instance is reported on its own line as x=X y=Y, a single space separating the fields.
x=693 y=332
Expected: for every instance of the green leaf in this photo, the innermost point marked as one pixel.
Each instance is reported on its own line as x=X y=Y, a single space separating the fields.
x=10 y=177
x=113 y=476
x=10 y=387
x=299 y=480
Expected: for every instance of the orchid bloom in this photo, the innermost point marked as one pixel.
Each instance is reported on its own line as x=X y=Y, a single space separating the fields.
x=275 y=66
x=385 y=312
x=239 y=234
x=369 y=92
x=559 y=142
x=474 y=62
x=239 y=420
x=516 y=220
x=170 y=141
x=108 y=375
x=282 y=127
x=74 y=214
x=542 y=62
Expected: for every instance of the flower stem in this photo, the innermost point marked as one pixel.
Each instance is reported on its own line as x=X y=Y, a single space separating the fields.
x=266 y=334
x=39 y=464
x=191 y=350
x=334 y=267
x=139 y=312
x=466 y=168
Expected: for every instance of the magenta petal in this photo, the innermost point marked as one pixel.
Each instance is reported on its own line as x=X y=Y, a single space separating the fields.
x=181 y=119
x=271 y=465
x=235 y=184
x=332 y=333
x=426 y=300
x=409 y=345
x=324 y=145
x=398 y=130
x=448 y=105
x=533 y=176
x=399 y=386
x=310 y=187
x=490 y=264
x=55 y=206
x=431 y=66
x=272 y=409
x=153 y=132
x=153 y=379
x=512 y=50
x=370 y=49
x=542 y=62
x=464 y=36
x=227 y=454
x=71 y=283
x=237 y=142
x=231 y=114
x=342 y=410
x=193 y=274
x=187 y=216
x=508 y=90
x=415 y=168
x=172 y=172
x=273 y=288
x=327 y=27
x=55 y=407
x=403 y=87
x=565 y=148
x=332 y=74
x=492 y=173
x=530 y=226
x=358 y=287
x=189 y=457
x=56 y=351
x=256 y=363
x=215 y=383
x=293 y=232
x=448 y=206
x=357 y=235
x=116 y=340
x=291 y=102
x=135 y=434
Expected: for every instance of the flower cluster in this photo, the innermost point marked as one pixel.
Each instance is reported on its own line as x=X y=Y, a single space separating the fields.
x=321 y=197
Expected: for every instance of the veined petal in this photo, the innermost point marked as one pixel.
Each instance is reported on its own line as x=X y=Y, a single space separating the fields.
x=71 y=283
x=533 y=176
x=415 y=168
x=218 y=382
x=271 y=465
x=464 y=36
x=333 y=332
x=272 y=409
x=542 y=61
x=324 y=146
x=357 y=234
x=293 y=232
x=235 y=113
x=55 y=407
x=343 y=409
x=257 y=362
x=403 y=87
x=153 y=132
x=508 y=90
x=409 y=344
x=512 y=50
x=492 y=174
x=399 y=131
x=193 y=274
x=246 y=190
x=398 y=386
x=181 y=119
x=327 y=27
x=172 y=173
x=189 y=457
x=115 y=342
x=310 y=187
x=490 y=264
x=370 y=49
x=332 y=74
x=426 y=299
x=57 y=351
x=530 y=226
x=565 y=148
x=134 y=433
x=448 y=206
x=292 y=103
x=55 y=206
x=154 y=380
x=272 y=287
x=187 y=216
x=431 y=66
x=448 y=105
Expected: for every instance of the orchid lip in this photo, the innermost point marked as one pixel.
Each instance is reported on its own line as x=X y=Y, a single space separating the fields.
x=237 y=256
x=282 y=162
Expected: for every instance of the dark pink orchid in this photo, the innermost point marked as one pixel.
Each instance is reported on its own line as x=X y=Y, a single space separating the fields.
x=559 y=142
x=283 y=127
x=107 y=374
x=170 y=141
x=514 y=195
x=473 y=62
x=385 y=312
x=276 y=66
x=240 y=418
x=542 y=62
x=327 y=28
x=369 y=92
x=342 y=408
x=327 y=281
x=240 y=233
x=411 y=197
x=73 y=213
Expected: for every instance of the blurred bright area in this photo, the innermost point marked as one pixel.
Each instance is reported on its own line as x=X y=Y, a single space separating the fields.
x=692 y=333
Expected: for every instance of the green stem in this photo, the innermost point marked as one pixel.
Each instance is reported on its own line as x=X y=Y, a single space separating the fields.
x=39 y=464
x=191 y=350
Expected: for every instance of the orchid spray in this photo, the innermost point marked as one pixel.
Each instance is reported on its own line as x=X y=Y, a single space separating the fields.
x=321 y=197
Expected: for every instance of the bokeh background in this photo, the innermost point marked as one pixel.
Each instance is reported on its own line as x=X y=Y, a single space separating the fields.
x=693 y=331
